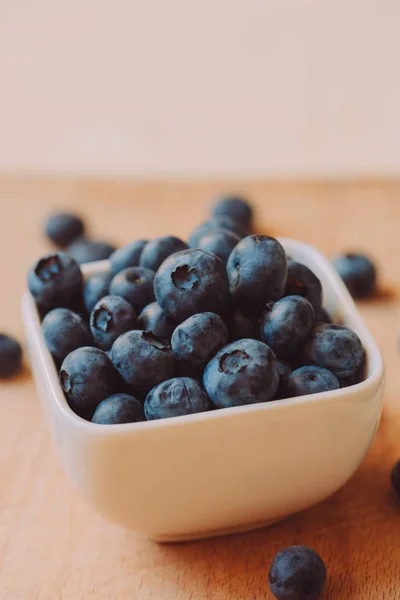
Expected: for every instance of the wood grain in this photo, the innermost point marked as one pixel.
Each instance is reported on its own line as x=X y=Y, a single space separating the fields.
x=53 y=547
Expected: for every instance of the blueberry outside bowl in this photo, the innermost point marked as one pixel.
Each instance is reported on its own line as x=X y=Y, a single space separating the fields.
x=224 y=471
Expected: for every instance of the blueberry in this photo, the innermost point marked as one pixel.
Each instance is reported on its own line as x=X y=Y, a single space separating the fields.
x=301 y=281
x=85 y=251
x=356 y=377
x=257 y=270
x=322 y=317
x=196 y=340
x=111 y=317
x=62 y=229
x=190 y=282
x=297 y=573
x=309 y=380
x=118 y=408
x=64 y=331
x=135 y=285
x=156 y=251
x=127 y=256
x=242 y=325
x=54 y=281
x=175 y=398
x=234 y=207
x=358 y=272
x=95 y=288
x=87 y=377
x=10 y=356
x=143 y=359
x=154 y=319
x=395 y=478
x=286 y=324
x=284 y=371
x=220 y=242
x=216 y=223
x=242 y=372
x=335 y=348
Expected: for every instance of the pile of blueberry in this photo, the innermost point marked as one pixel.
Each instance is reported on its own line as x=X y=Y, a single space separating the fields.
x=175 y=328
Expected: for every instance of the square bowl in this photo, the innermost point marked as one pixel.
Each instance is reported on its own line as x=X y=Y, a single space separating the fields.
x=224 y=471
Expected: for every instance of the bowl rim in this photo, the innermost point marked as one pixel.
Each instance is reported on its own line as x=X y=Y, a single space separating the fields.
x=374 y=379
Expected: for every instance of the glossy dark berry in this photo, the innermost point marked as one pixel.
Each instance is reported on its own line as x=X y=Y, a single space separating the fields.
x=175 y=398
x=356 y=377
x=143 y=359
x=358 y=272
x=190 y=282
x=301 y=281
x=395 y=478
x=135 y=285
x=87 y=377
x=335 y=348
x=242 y=325
x=111 y=317
x=65 y=331
x=10 y=356
x=257 y=271
x=309 y=380
x=55 y=280
x=86 y=251
x=62 y=229
x=118 y=408
x=224 y=222
x=220 y=242
x=154 y=319
x=297 y=573
x=196 y=340
x=127 y=256
x=286 y=324
x=95 y=288
x=242 y=372
x=156 y=251
x=235 y=207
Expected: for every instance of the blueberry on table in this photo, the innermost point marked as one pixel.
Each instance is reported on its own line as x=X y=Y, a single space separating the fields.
x=335 y=348
x=223 y=222
x=190 y=282
x=257 y=271
x=135 y=285
x=309 y=380
x=65 y=331
x=10 y=356
x=297 y=573
x=301 y=281
x=87 y=377
x=95 y=288
x=358 y=273
x=55 y=280
x=175 y=398
x=143 y=359
x=285 y=324
x=111 y=317
x=220 y=242
x=243 y=325
x=118 y=408
x=156 y=251
x=64 y=228
x=235 y=207
x=154 y=319
x=243 y=372
x=86 y=251
x=395 y=478
x=127 y=256
x=196 y=340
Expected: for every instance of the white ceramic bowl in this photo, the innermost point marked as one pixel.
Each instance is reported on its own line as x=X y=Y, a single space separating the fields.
x=228 y=470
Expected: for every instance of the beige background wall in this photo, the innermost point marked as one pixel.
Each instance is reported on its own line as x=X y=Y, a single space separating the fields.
x=271 y=87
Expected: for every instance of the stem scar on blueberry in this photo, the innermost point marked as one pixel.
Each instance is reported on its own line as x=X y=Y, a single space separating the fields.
x=233 y=362
x=66 y=382
x=48 y=268
x=102 y=319
x=155 y=341
x=185 y=278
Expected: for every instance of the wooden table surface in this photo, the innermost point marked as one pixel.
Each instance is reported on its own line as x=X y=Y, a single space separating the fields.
x=53 y=547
